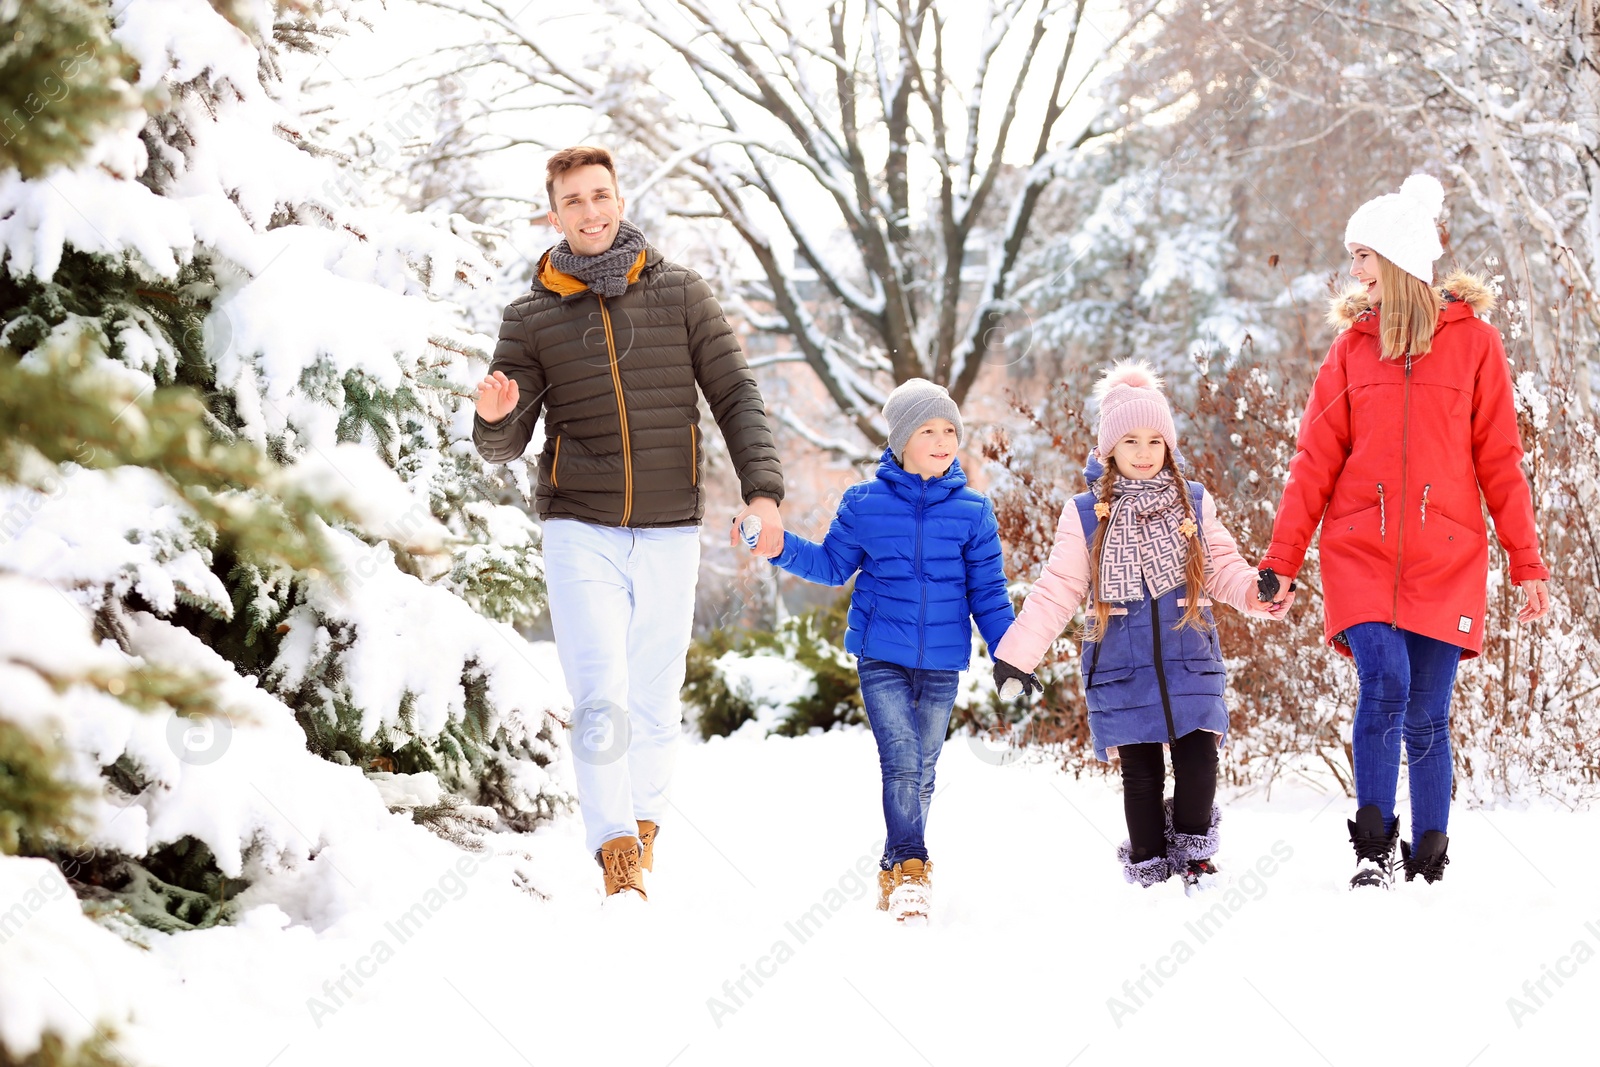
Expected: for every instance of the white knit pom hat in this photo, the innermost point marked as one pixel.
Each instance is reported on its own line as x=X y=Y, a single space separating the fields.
x=1131 y=399
x=1402 y=227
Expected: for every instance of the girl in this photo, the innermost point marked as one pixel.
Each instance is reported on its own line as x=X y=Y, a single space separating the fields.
x=1409 y=425
x=928 y=549
x=1150 y=547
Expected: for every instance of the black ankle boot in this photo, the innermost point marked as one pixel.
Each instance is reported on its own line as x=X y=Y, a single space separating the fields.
x=1429 y=860
x=1374 y=849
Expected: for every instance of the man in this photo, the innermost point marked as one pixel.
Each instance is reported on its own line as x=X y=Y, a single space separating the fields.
x=611 y=344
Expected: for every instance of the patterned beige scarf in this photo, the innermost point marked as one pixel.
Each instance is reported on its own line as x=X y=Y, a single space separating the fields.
x=1143 y=543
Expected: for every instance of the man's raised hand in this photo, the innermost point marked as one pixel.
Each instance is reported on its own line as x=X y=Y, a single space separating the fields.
x=497 y=397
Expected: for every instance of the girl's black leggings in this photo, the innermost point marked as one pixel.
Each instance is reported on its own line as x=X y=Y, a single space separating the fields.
x=1144 y=777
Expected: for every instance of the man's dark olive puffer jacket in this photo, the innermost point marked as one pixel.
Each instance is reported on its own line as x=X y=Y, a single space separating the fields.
x=616 y=381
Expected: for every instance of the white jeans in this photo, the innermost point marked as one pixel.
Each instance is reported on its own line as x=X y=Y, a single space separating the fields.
x=622 y=607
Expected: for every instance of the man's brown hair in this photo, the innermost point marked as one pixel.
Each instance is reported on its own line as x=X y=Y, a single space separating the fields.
x=582 y=155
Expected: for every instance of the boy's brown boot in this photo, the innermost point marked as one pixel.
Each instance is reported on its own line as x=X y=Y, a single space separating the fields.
x=910 y=899
x=619 y=859
x=647 y=845
x=888 y=880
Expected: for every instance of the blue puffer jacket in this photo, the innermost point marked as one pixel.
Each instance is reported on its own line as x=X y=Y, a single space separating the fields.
x=929 y=557
x=1145 y=680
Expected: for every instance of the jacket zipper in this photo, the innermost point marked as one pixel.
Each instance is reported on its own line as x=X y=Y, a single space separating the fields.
x=555 y=463
x=922 y=613
x=622 y=414
x=1425 y=504
x=1383 y=517
x=1405 y=463
x=1161 y=669
x=694 y=459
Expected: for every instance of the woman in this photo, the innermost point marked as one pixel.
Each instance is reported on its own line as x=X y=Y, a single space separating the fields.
x=1411 y=418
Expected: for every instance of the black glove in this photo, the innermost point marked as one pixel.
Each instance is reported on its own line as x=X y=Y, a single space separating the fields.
x=1267 y=584
x=1005 y=672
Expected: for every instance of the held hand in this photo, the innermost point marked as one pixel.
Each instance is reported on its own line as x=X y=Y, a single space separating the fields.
x=1004 y=673
x=1279 y=609
x=1270 y=586
x=497 y=397
x=771 y=542
x=1536 y=604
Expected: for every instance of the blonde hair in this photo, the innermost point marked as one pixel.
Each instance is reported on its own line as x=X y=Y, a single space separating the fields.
x=1408 y=314
x=1194 y=570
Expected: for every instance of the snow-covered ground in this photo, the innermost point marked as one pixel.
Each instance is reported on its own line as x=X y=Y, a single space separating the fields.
x=760 y=943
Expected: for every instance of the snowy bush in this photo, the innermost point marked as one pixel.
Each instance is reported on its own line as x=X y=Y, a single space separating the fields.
x=797 y=678
x=789 y=681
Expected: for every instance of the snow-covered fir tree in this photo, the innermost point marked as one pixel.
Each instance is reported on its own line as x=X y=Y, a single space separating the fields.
x=240 y=518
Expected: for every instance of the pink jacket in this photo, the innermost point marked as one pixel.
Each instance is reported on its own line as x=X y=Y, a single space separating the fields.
x=1065 y=582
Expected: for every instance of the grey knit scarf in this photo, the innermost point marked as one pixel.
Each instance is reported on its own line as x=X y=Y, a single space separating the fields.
x=1143 y=545
x=607 y=273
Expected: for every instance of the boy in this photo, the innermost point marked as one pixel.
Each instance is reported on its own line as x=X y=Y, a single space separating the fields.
x=928 y=551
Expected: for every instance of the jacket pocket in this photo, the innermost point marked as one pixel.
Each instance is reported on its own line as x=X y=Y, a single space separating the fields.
x=866 y=627
x=1358 y=534
x=1110 y=676
x=1111 y=658
x=574 y=467
x=1447 y=555
x=694 y=456
x=1201 y=648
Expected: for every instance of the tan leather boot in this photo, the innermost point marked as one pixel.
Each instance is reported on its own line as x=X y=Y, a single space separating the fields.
x=619 y=859
x=647 y=844
x=912 y=895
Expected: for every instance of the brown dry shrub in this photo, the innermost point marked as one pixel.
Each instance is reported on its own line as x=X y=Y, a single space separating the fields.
x=1522 y=718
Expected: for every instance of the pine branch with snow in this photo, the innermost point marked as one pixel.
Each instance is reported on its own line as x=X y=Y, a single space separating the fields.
x=233 y=451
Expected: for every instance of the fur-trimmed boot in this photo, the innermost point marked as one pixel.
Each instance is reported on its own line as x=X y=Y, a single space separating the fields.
x=1429 y=860
x=912 y=896
x=647 y=844
x=1145 y=873
x=619 y=859
x=1191 y=853
x=1374 y=849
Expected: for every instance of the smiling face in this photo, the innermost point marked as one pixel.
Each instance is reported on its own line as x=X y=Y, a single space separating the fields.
x=1364 y=269
x=587 y=209
x=931 y=448
x=1140 y=454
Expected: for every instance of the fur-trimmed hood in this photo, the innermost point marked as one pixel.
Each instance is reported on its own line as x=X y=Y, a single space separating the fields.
x=1457 y=286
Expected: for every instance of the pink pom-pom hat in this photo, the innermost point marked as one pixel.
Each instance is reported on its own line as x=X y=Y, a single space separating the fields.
x=1131 y=399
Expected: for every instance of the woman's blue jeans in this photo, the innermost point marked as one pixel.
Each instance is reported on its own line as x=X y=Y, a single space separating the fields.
x=1406 y=681
x=909 y=710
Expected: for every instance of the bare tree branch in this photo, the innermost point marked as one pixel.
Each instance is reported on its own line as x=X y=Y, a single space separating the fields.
x=823 y=128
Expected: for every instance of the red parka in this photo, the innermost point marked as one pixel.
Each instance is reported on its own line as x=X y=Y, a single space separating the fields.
x=1396 y=461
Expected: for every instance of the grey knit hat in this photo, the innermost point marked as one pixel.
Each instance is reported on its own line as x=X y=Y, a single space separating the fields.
x=913 y=403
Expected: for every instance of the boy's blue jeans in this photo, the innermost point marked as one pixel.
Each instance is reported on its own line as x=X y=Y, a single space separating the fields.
x=909 y=710
x=1406 y=682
